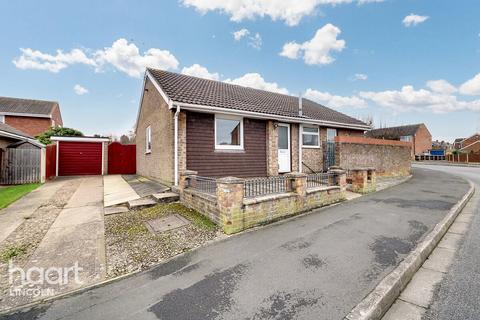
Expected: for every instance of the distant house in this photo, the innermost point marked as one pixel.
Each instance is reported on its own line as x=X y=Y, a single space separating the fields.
x=470 y=144
x=220 y=129
x=458 y=143
x=30 y=116
x=417 y=134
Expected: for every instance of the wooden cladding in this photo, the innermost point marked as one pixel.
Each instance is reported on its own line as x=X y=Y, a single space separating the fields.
x=202 y=156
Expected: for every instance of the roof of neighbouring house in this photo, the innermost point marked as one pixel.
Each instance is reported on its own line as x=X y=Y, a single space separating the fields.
x=394 y=132
x=8 y=129
x=198 y=91
x=26 y=106
x=459 y=140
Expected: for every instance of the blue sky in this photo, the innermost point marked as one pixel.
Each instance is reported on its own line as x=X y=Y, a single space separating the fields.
x=398 y=61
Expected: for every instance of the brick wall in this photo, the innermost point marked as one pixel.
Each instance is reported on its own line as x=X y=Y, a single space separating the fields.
x=422 y=140
x=154 y=112
x=388 y=157
x=30 y=125
x=272 y=149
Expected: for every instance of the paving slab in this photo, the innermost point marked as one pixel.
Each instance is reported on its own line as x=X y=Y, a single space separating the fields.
x=166 y=197
x=144 y=187
x=141 y=203
x=440 y=260
x=450 y=241
x=115 y=210
x=459 y=227
x=402 y=310
x=117 y=191
x=465 y=217
x=420 y=289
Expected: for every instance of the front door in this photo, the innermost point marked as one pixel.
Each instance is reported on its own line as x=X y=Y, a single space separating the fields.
x=283 y=148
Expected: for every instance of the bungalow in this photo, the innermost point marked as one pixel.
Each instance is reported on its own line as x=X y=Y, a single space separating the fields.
x=220 y=129
x=30 y=116
x=417 y=134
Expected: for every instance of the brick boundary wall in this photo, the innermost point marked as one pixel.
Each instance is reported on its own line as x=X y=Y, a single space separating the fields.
x=389 y=158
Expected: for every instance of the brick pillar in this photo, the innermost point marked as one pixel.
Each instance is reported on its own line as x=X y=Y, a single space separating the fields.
x=298 y=183
x=182 y=141
x=360 y=181
x=186 y=177
x=272 y=149
x=230 y=192
x=294 y=145
x=340 y=178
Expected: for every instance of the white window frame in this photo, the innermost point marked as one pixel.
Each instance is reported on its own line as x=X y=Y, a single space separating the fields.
x=312 y=134
x=148 y=138
x=406 y=138
x=2 y=118
x=227 y=147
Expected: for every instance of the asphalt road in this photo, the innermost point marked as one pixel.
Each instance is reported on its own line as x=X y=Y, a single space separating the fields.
x=317 y=266
x=458 y=295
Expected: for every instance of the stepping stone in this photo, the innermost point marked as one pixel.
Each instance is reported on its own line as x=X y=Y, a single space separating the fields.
x=115 y=210
x=166 y=197
x=141 y=203
x=172 y=221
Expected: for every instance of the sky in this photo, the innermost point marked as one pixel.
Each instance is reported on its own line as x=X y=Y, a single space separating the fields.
x=395 y=61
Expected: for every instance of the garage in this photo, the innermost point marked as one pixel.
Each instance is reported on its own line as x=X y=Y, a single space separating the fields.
x=77 y=156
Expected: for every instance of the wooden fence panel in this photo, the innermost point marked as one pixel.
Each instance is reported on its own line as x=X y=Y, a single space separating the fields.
x=20 y=166
x=51 y=161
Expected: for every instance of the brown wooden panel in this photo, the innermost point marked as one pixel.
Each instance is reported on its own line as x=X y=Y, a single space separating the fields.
x=202 y=156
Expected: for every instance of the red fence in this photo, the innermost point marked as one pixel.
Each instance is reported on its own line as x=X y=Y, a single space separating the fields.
x=51 y=161
x=122 y=158
x=464 y=157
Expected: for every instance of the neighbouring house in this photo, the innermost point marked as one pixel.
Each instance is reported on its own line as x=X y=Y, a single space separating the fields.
x=458 y=143
x=220 y=129
x=30 y=116
x=470 y=144
x=21 y=157
x=417 y=134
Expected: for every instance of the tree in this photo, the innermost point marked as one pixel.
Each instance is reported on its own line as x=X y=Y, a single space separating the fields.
x=57 y=131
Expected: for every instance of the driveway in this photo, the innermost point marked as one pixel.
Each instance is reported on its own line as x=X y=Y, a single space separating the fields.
x=318 y=265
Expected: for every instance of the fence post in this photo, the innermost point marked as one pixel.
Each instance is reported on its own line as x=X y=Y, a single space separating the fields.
x=43 y=165
x=230 y=193
x=298 y=182
x=467 y=157
x=186 y=177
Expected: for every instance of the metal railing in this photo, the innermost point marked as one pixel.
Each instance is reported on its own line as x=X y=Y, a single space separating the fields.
x=264 y=186
x=203 y=184
x=320 y=179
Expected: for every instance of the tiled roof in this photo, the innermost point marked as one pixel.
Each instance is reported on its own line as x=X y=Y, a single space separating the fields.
x=27 y=106
x=6 y=128
x=187 y=89
x=394 y=132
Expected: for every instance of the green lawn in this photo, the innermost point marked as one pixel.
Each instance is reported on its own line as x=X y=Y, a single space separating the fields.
x=13 y=193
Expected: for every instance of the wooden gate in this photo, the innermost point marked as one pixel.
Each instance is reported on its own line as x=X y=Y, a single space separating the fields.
x=51 y=161
x=122 y=158
x=20 y=166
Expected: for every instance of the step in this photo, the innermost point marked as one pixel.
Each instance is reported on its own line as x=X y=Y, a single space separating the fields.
x=141 y=203
x=166 y=197
x=115 y=210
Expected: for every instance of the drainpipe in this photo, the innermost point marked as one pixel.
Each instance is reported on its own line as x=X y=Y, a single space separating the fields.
x=175 y=151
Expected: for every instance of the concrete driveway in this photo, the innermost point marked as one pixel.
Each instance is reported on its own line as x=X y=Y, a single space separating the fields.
x=318 y=266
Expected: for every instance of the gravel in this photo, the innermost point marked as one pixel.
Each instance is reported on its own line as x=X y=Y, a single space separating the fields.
x=131 y=247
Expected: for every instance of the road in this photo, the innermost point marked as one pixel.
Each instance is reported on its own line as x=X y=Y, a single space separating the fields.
x=458 y=295
x=319 y=265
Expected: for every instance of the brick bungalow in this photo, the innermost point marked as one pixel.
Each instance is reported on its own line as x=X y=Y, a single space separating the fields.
x=30 y=116
x=417 y=134
x=220 y=129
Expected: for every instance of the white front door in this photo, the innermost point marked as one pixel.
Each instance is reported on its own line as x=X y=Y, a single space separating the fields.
x=283 y=147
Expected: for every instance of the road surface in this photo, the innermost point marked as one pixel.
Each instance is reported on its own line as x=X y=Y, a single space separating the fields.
x=317 y=266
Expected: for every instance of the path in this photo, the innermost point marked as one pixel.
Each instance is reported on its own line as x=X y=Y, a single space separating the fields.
x=318 y=265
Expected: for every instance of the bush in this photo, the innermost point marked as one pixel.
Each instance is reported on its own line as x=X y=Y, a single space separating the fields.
x=57 y=131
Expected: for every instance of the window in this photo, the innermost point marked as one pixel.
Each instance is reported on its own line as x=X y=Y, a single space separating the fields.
x=310 y=137
x=2 y=119
x=406 y=138
x=228 y=132
x=148 y=140
x=331 y=134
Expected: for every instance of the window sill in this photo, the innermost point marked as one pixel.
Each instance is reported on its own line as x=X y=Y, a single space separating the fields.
x=311 y=147
x=229 y=150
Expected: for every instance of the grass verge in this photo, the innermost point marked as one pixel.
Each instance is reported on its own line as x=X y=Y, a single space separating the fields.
x=11 y=194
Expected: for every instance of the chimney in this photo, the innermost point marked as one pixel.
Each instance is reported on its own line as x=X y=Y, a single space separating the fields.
x=300 y=108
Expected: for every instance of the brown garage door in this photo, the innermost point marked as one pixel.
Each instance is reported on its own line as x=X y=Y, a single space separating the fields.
x=79 y=158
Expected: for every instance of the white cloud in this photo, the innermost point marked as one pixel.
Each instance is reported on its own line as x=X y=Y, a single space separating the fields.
x=126 y=57
x=255 y=41
x=441 y=86
x=289 y=11
x=255 y=80
x=471 y=87
x=334 y=101
x=317 y=50
x=197 y=70
x=80 y=90
x=359 y=76
x=409 y=99
x=239 y=34
x=34 y=59
x=123 y=56
x=413 y=20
